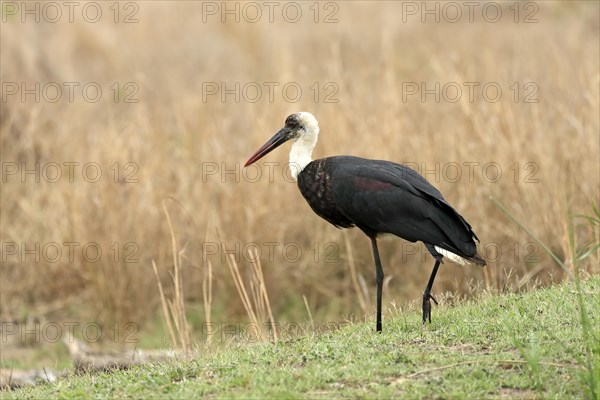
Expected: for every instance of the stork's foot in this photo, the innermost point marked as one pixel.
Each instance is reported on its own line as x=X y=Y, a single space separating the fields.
x=427 y=297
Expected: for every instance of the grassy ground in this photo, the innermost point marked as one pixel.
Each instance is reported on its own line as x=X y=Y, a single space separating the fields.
x=512 y=346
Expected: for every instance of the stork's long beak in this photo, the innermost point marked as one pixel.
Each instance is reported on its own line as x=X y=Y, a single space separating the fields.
x=277 y=140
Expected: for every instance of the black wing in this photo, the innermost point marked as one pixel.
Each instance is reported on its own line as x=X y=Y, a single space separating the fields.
x=386 y=197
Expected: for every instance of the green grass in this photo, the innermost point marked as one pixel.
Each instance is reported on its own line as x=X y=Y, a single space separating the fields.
x=510 y=346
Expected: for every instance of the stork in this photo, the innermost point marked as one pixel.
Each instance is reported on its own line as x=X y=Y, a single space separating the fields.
x=378 y=197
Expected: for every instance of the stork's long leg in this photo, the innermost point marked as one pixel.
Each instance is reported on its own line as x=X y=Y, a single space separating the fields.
x=379 y=280
x=427 y=294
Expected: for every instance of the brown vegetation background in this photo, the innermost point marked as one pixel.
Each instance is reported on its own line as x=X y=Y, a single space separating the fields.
x=176 y=137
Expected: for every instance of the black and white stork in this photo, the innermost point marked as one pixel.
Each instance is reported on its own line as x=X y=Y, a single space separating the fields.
x=379 y=197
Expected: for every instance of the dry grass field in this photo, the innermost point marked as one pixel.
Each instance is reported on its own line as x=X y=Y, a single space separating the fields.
x=180 y=112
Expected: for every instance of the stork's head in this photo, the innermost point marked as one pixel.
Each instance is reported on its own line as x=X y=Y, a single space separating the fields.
x=301 y=127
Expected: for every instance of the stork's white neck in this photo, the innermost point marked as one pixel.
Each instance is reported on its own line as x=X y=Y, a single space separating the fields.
x=301 y=153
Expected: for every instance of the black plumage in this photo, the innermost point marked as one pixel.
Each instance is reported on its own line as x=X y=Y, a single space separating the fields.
x=384 y=197
x=378 y=197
